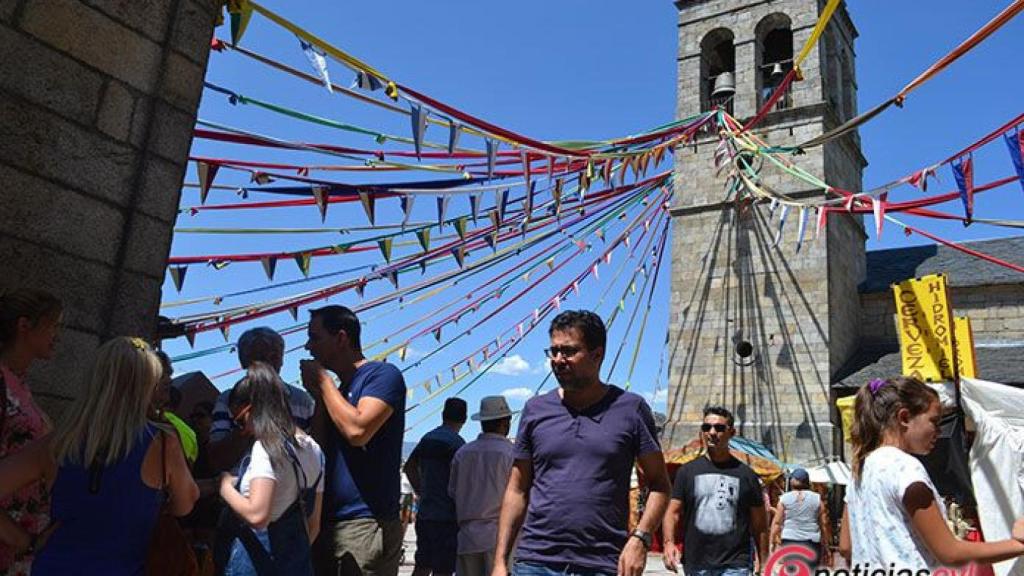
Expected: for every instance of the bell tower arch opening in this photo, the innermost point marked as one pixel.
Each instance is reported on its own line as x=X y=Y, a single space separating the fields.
x=717 y=70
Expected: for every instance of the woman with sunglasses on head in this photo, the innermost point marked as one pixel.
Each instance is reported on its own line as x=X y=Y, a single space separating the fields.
x=110 y=469
x=29 y=324
x=894 y=515
x=274 y=502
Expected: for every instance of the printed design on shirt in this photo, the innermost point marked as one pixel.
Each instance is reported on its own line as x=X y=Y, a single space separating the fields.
x=717 y=497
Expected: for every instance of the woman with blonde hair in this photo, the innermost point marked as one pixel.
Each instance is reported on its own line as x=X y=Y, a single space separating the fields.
x=109 y=469
x=29 y=325
x=894 y=515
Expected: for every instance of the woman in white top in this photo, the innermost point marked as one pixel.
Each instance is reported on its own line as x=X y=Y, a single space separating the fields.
x=277 y=499
x=894 y=515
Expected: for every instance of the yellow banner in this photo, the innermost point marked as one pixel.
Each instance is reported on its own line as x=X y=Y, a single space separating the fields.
x=925 y=324
x=965 y=358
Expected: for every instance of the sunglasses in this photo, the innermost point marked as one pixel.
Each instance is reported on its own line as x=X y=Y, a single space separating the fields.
x=565 y=351
x=718 y=427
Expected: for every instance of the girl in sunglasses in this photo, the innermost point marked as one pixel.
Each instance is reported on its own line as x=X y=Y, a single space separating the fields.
x=274 y=503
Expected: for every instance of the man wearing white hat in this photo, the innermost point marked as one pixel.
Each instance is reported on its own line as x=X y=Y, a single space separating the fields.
x=479 y=474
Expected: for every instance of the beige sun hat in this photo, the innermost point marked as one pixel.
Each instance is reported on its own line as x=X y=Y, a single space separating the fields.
x=492 y=408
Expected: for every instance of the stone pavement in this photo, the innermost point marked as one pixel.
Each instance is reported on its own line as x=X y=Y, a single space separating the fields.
x=654 y=565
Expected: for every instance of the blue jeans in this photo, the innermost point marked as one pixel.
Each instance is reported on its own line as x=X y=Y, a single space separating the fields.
x=719 y=572
x=532 y=569
x=239 y=563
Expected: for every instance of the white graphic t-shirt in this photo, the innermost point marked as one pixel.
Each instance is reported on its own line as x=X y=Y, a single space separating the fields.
x=880 y=527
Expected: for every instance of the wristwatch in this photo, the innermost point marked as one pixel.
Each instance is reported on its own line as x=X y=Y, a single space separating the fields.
x=644 y=537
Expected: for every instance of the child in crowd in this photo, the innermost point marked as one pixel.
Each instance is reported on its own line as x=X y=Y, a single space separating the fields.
x=894 y=515
x=275 y=502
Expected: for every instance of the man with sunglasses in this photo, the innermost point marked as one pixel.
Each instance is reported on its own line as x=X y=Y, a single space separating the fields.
x=574 y=454
x=719 y=501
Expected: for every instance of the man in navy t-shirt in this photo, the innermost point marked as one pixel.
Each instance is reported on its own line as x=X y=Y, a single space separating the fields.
x=429 y=468
x=360 y=426
x=574 y=455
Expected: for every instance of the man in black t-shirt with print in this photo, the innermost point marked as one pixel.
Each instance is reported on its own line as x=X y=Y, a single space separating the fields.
x=718 y=498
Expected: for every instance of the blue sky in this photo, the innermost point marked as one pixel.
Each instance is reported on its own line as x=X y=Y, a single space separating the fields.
x=571 y=69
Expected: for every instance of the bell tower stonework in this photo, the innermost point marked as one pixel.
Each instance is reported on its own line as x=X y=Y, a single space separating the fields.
x=755 y=326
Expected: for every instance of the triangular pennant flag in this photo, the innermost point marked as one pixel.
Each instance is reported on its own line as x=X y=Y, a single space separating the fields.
x=878 y=207
x=576 y=287
x=599 y=233
x=402 y=352
x=528 y=204
x=190 y=335
x=848 y=204
x=524 y=157
x=437 y=333
x=178 y=276
x=632 y=287
x=556 y=195
x=519 y=329
x=584 y=183
x=557 y=301
x=361 y=287
x=393 y=277
x=423 y=266
x=526 y=276
x=318 y=60
x=536 y=316
x=406 y=202
x=442 y=207
x=419 y=126
x=261 y=178
x=501 y=203
x=659 y=153
x=551 y=263
x=367 y=81
x=241 y=13
x=622 y=304
x=368 y=201
x=454 y=130
x=269 y=265
x=963 y=173
x=822 y=220
x=782 y=223
x=1015 y=142
x=206 y=173
x=225 y=329
x=642 y=162
x=294 y=312
x=320 y=194
x=606 y=171
x=551 y=167
x=594 y=270
x=492 y=241
x=460 y=227
x=423 y=235
x=302 y=260
x=492 y=155
x=608 y=257
x=385 y=247
x=474 y=206
x=801 y=228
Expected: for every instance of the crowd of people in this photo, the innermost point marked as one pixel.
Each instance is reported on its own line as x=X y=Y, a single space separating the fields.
x=274 y=479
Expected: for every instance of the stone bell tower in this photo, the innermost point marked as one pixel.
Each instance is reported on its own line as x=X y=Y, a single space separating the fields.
x=755 y=326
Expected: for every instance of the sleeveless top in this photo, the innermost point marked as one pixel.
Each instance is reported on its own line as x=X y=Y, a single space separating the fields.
x=801 y=521
x=22 y=422
x=106 y=519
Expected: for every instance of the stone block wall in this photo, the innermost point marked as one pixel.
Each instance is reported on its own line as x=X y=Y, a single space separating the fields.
x=996 y=313
x=97 y=103
x=732 y=282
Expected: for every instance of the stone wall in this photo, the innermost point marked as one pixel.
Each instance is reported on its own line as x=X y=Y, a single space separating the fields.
x=97 y=103
x=996 y=313
x=732 y=282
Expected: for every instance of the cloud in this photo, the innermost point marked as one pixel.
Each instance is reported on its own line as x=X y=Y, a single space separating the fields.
x=513 y=365
x=543 y=367
x=517 y=393
x=658 y=397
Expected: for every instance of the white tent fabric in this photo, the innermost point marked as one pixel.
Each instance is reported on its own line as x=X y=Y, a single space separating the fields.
x=831 y=473
x=997 y=460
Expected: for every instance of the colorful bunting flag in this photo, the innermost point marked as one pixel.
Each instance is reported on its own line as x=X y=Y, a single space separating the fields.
x=393 y=277
x=241 y=13
x=206 y=172
x=963 y=173
x=524 y=157
x=406 y=202
x=269 y=266
x=801 y=228
x=178 y=276
x=878 y=208
x=367 y=81
x=294 y=310
x=474 y=205
x=442 y=207
x=385 y=247
x=556 y=195
x=225 y=329
x=501 y=203
x=454 y=130
x=302 y=260
x=492 y=155
x=190 y=335
x=822 y=220
x=460 y=227
x=1015 y=142
x=361 y=287
x=423 y=235
x=419 y=126
x=318 y=60
x=782 y=223
x=320 y=194
x=459 y=252
x=368 y=201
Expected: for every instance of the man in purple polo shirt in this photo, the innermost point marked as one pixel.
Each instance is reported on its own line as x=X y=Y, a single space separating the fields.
x=574 y=456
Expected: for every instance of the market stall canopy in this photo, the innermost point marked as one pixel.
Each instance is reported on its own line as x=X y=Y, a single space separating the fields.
x=831 y=473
